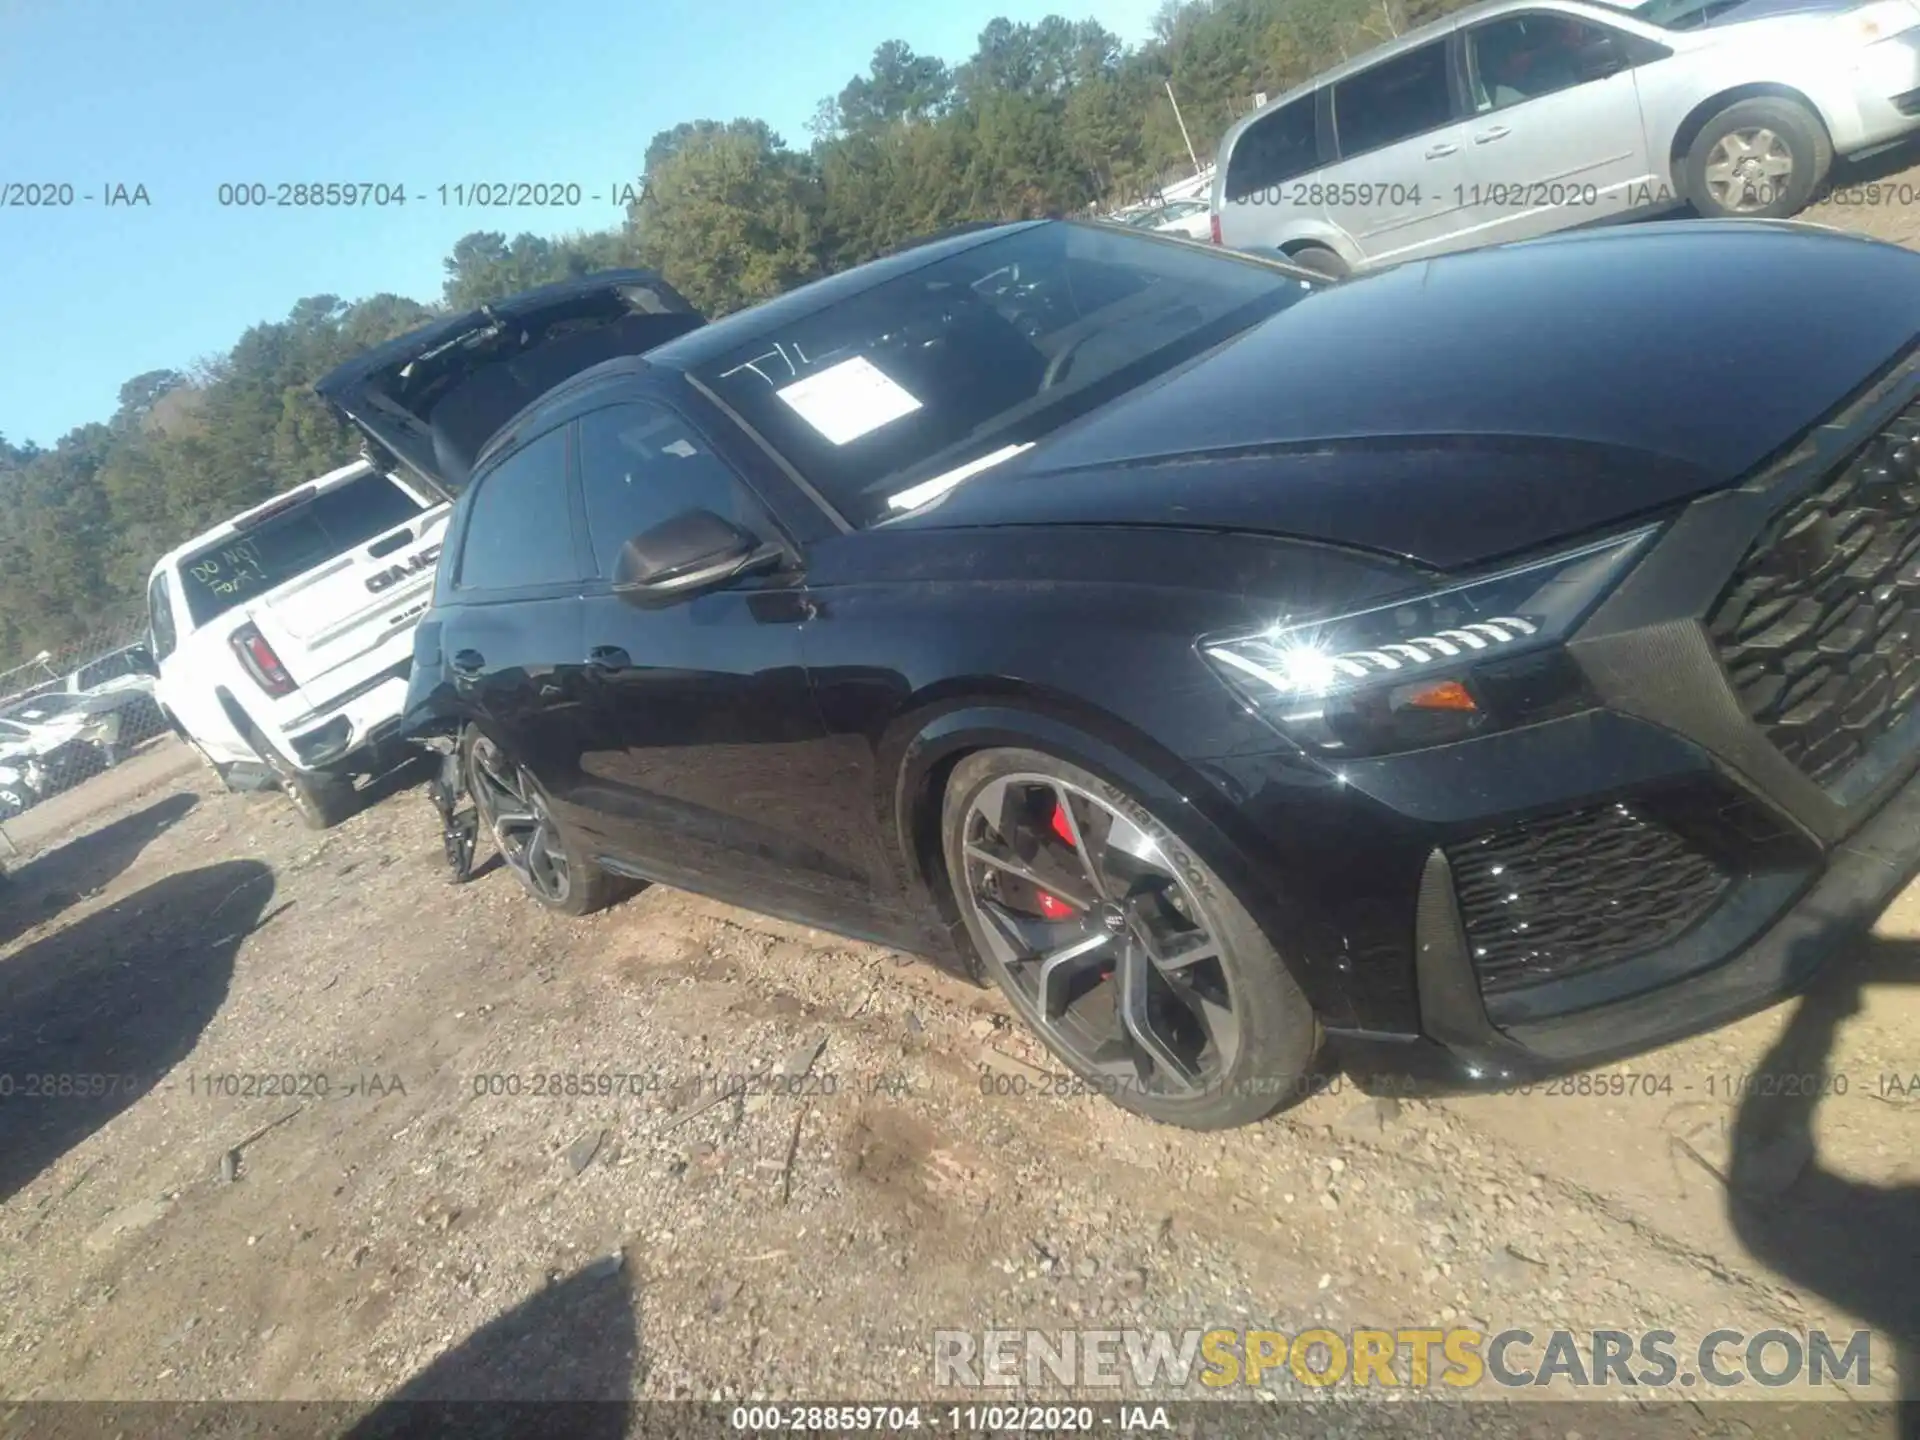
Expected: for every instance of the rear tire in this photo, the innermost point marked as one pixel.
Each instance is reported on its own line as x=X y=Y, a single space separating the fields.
x=321 y=799
x=1320 y=260
x=1758 y=160
x=547 y=861
x=1219 y=1033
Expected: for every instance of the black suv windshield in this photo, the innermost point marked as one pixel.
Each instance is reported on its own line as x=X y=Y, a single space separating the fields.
x=880 y=399
x=290 y=543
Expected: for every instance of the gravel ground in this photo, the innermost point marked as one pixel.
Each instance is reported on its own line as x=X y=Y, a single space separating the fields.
x=417 y=1209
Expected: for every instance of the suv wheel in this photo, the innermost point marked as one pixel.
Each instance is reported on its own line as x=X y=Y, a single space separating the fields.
x=1129 y=956
x=1758 y=159
x=549 y=865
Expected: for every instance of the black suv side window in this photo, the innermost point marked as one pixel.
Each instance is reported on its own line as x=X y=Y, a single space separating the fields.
x=641 y=464
x=1394 y=101
x=160 y=615
x=1275 y=148
x=1522 y=57
x=520 y=526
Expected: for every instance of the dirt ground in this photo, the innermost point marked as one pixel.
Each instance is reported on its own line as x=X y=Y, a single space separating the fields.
x=407 y=1206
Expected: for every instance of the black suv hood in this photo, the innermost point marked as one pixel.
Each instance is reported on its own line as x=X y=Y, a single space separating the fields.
x=1457 y=410
x=432 y=398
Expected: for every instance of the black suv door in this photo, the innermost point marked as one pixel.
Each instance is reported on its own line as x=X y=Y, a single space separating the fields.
x=509 y=628
x=708 y=759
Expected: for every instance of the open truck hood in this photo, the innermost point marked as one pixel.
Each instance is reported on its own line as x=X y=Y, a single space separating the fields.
x=432 y=398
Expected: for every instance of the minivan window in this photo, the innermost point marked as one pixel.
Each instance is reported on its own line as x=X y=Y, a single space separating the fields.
x=520 y=527
x=286 y=545
x=1277 y=147
x=1522 y=57
x=1393 y=101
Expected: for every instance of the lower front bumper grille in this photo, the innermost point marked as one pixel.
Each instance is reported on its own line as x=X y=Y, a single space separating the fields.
x=1819 y=628
x=1569 y=893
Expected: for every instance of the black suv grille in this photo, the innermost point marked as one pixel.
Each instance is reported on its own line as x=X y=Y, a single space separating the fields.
x=1820 y=628
x=1553 y=897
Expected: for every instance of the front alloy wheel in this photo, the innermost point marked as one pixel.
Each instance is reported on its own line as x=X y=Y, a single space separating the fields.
x=1759 y=159
x=1748 y=170
x=1121 y=948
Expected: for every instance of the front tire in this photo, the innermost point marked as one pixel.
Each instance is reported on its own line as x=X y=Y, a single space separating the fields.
x=1125 y=951
x=1758 y=160
x=548 y=863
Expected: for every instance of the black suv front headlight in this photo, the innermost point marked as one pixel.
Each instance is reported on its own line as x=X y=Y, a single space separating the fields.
x=1432 y=667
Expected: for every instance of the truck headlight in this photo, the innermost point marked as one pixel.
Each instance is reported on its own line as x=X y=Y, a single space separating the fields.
x=1411 y=672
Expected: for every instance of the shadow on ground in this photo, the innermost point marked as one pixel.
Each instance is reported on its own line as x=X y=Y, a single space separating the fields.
x=561 y=1364
x=93 y=1014
x=56 y=878
x=405 y=774
x=1854 y=1244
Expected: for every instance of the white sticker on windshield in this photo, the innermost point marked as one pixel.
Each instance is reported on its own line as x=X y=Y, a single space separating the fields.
x=848 y=400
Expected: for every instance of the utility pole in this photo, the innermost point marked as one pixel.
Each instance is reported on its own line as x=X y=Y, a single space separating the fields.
x=1183 y=128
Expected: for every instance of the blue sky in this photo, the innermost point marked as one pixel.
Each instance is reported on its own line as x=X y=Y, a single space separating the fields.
x=183 y=95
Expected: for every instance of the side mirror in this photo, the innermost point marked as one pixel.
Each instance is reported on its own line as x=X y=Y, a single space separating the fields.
x=140 y=661
x=693 y=551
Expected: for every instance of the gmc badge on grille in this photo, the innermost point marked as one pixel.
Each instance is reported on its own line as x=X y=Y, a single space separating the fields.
x=394 y=574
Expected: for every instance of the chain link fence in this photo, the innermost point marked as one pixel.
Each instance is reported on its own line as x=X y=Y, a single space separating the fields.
x=71 y=712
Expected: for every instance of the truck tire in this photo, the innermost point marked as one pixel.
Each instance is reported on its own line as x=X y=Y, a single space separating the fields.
x=320 y=798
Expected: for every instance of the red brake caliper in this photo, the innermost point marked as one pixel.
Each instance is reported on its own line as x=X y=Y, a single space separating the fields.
x=1052 y=906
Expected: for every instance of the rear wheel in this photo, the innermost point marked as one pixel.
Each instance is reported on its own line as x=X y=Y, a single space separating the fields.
x=549 y=865
x=1125 y=951
x=1320 y=260
x=321 y=799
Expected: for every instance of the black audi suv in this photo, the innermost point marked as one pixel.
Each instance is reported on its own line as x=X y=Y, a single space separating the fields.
x=1480 y=670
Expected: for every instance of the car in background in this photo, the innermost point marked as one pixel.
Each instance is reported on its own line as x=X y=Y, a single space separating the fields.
x=282 y=638
x=50 y=742
x=118 y=684
x=1519 y=118
x=1522 y=706
x=1189 y=218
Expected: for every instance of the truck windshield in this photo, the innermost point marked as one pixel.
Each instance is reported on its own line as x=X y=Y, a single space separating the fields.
x=247 y=564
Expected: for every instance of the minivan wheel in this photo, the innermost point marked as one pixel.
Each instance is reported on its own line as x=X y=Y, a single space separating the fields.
x=1758 y=159
x=549 y=865
x=1123 y=949
x=1320 y=260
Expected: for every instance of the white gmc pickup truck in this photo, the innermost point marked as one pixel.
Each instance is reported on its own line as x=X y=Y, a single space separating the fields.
x=281 y=640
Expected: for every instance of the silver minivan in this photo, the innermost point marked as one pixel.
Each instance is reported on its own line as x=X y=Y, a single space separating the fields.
x=1518 y=118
